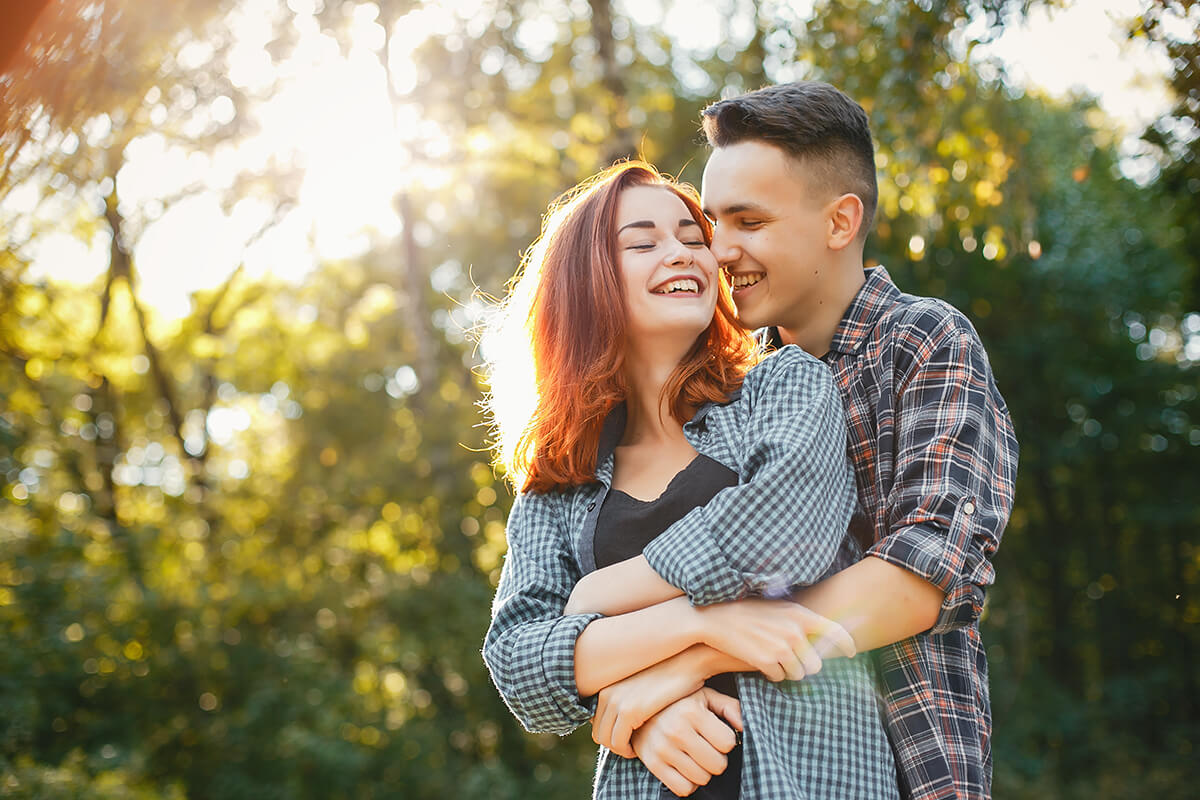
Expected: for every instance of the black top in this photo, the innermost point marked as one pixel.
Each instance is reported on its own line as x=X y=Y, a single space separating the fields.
x=626 y=525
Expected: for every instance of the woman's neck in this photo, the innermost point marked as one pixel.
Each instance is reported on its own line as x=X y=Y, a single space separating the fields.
x=649 y=416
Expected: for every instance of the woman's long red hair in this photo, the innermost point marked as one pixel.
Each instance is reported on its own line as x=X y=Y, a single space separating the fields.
x=556 y=349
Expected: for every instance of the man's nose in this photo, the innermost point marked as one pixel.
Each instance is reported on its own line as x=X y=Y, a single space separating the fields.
x=723 y=247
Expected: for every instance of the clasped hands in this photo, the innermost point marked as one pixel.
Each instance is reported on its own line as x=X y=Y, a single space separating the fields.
x=664 y=715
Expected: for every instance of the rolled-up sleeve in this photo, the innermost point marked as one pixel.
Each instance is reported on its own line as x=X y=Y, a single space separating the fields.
x=955 y=468
x=783 y=524
x=530 y=646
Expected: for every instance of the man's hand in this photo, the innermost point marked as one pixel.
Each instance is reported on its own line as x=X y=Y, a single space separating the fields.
x=685 y=744
x=625 y=705
x=778 y=638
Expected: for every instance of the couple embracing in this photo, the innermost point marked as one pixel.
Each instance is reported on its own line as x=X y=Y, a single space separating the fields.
x=754 y=561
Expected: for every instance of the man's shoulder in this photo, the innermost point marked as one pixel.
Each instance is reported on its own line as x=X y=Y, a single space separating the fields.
x=916 y=321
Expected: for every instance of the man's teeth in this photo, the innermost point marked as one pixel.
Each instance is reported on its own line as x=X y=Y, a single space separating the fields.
x=682 y=285
x=743 y=279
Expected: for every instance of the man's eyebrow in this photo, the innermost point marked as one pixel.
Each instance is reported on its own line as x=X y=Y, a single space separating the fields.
x=736 y=208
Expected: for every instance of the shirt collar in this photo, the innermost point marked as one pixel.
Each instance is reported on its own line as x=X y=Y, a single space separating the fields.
x=877 y=294
x=611 y=433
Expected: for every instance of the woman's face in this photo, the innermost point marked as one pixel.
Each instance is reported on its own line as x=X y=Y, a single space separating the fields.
x=669 y=274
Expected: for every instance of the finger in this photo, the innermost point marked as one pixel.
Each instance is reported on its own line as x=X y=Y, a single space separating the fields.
x=810 y=660
x=792 y=666
x=598 y=727
x=602 y=729
x=673 y=780
x=773 y=671
x=831 y=637
x=697 y=760
x=718 y=739
x=650 y=749
x=726 y=707
x=621 y=734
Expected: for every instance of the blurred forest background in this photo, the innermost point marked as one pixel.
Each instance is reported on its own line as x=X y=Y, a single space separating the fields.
x=247 y=550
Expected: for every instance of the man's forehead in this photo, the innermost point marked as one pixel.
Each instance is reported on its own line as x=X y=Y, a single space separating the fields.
x=739 y=173
x=748 y=174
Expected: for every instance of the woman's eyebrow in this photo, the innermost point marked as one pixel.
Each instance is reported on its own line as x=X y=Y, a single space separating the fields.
x=645 y=223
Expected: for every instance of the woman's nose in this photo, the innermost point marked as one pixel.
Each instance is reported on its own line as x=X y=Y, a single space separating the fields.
x=679 y=253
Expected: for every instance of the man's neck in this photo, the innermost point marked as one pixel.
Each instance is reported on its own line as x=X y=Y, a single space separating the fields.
x=815 y=334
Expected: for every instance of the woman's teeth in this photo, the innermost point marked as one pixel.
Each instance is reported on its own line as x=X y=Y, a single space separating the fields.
x=682 y=285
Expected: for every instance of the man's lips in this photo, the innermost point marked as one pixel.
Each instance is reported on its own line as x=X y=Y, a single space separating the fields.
x=740 y=281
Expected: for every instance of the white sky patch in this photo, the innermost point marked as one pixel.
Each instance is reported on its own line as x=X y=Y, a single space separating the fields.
x=1083 y=48
x=696 y=27
x=64 y=257
x=194 y=246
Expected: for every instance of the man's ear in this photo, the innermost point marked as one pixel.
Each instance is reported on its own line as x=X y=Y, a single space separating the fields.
x=845 y=218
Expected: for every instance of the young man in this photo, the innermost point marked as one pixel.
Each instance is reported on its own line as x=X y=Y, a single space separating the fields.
x=791 y=187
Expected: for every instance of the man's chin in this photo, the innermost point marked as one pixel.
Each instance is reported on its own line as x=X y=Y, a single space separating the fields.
x=749 y=320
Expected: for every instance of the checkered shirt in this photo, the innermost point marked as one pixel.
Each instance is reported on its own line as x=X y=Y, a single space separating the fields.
x=935 y=460
x=783 y=525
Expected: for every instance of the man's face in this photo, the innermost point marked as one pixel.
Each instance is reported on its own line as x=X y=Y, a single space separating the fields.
x=772 y=226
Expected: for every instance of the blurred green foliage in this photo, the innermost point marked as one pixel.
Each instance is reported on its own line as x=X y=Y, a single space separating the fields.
x=250 y=553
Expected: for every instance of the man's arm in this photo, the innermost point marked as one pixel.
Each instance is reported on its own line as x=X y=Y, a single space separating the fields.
x=954 y=468
x=876 y=602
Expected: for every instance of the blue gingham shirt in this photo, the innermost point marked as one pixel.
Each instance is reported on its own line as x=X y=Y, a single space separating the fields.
x=784 y=524
x=935 y=461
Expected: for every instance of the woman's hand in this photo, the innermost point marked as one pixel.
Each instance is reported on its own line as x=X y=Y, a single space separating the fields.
x=778 y=638
x=624 y=706
x=685 y=744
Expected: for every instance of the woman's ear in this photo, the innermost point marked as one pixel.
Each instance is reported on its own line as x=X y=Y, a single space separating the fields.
x=845 y=218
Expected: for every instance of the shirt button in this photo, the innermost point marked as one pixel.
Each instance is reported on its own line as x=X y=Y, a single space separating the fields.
x=969 y=508
x=591 y=505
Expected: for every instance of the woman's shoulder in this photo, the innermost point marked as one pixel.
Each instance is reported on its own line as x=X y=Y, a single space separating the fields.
x=787 y=368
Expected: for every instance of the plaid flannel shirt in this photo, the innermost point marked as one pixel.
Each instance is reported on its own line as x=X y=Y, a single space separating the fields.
x=784 y=524
x=935 y=460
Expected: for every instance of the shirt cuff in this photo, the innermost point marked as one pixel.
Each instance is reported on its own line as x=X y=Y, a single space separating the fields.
x=950 y=560
x=553 y=697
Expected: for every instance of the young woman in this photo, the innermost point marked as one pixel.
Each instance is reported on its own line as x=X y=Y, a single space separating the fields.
x=654 y=450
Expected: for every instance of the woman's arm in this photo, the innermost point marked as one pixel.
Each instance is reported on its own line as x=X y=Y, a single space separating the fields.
x=612 y=648
x=530 y=646
x=620 y=588
x=783 y=524
x=765 y=636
